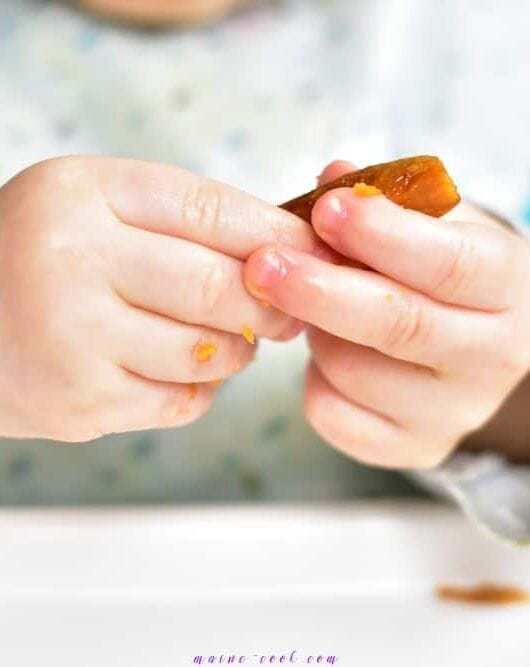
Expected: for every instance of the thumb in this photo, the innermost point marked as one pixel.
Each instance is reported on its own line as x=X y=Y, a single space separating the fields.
x=335 y=170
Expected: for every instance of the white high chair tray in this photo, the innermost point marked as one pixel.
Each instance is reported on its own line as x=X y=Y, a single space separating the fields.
x=163 y=587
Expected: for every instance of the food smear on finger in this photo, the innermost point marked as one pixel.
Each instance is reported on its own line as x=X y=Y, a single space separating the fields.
x=420 y=183
x=259 y=294
x=205 y=352
x=248 y=334
x=192 y=395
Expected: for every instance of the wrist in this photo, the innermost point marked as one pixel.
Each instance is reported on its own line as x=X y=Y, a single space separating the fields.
x=507 y=431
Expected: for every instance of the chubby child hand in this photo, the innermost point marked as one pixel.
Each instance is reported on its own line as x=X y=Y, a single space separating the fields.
x=122 y=301
x=410 y=357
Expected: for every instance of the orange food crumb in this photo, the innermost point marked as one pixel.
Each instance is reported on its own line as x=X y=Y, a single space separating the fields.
x=364 y=190
x=248 y=334
x=216 y=383
x=193 y=390
x=389 y=298
x=205 y=351
x=440 y=366
x=484 y=594
x=259 y=294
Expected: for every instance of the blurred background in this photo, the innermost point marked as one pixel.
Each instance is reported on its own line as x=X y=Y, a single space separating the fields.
x=262 y=99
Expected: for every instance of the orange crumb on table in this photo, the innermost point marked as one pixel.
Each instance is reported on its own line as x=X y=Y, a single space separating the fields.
x=205 y=351
x=364 y=190
x=483 y=594
x=248 y=334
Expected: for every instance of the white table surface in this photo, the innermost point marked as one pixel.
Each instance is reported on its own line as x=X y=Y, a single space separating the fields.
x=158 y=587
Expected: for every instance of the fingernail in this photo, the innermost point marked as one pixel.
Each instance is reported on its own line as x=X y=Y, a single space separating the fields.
x=273 y=266
x=330 y=215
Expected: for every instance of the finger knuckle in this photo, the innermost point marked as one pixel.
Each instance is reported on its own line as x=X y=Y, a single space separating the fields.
x=458 y=267
x=208 y=288
x=203 y=205
x=410 y=326
x=37 y=229
x=66 y=173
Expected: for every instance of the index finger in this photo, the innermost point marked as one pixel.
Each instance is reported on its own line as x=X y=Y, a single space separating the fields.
x=464 y=264
x=369 y=309
x=168 y=200
x=335 y=170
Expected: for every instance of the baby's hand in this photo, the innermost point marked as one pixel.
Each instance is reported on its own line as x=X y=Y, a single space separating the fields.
x=409 y=358
x=121 y=296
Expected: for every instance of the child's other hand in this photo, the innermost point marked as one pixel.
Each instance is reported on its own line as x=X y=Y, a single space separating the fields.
x=411 y=357
x=121 y=295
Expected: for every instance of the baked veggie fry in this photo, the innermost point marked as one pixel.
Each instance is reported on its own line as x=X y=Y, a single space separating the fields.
x=420 y=183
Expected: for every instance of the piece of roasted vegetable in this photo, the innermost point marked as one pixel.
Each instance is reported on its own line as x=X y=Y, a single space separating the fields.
x=420 y=183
